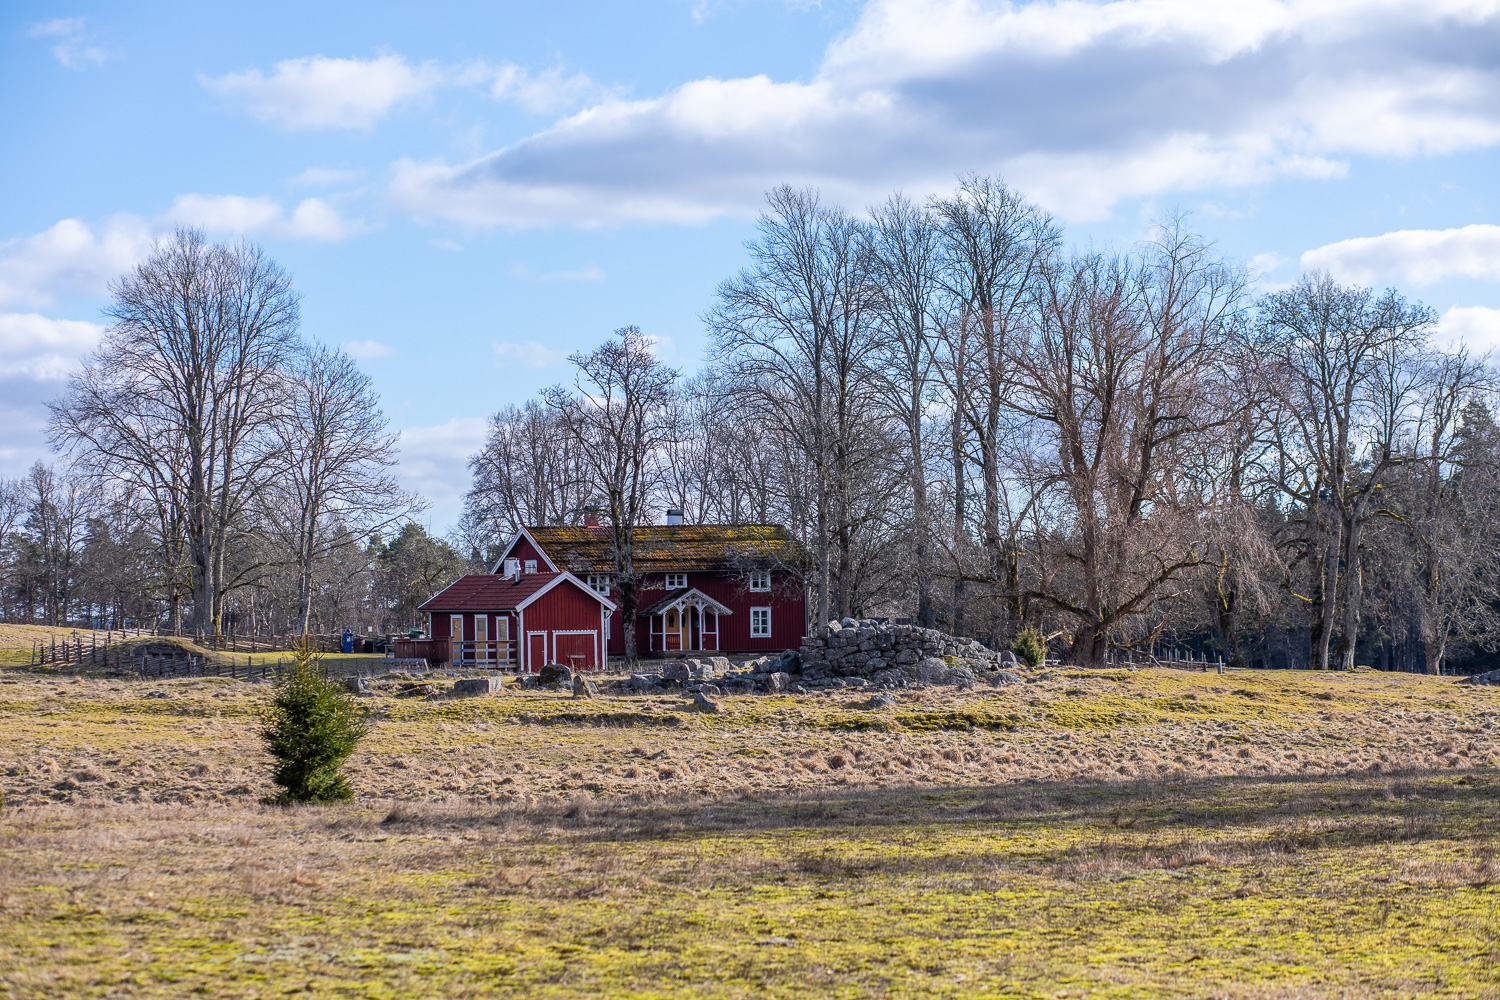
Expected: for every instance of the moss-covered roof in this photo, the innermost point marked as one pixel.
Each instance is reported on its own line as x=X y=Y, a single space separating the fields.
x=673 y=547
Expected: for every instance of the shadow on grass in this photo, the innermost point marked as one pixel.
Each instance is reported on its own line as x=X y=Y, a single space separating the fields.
x=1239 y=816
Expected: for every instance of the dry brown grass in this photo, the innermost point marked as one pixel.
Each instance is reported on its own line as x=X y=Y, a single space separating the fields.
x=1156 y=835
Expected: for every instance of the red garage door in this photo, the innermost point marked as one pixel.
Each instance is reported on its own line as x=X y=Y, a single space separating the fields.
x=576 y=651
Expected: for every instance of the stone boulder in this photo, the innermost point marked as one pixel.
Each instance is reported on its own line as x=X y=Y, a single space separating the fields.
x=677 y=670
x=881 y=700
x=555 y=675
x=777 y=682
x=1005 y=678
x=477 y=685
x=643 y=683
x=704 y=703
x=356 y=685
x=584 y=688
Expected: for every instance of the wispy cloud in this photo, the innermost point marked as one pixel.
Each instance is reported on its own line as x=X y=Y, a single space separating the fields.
x=71 y=49
x=527 y=354
x=539 y=93
x=435 y=460
x=325 y=177
x=317 y=92
x=590 y=273
x=312 y=218
x=1417 y=256
x=366 y=350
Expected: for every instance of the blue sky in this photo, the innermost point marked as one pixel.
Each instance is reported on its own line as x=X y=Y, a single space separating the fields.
x=466 y=193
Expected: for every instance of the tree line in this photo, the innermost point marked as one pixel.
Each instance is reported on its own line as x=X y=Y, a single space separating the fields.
x=221 y=473
x=971 y=424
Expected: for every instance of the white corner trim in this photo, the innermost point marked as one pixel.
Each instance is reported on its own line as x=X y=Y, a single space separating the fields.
x=570 y=578
x=523 y=533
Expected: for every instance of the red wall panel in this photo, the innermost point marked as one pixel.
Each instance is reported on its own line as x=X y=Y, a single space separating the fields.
x=787 y=600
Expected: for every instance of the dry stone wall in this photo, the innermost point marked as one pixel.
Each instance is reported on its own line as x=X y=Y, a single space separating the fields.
x=894 y=656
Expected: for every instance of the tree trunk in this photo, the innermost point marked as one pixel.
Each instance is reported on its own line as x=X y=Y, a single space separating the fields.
x=960 y=514
x=922 y=527
x=1323 y=565
x=1353 y=590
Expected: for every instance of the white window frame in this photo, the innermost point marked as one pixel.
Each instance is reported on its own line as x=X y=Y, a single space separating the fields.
x=760 y=581
x=531 y=565
x=760 y=630
x=675 y=581
x=601 y=583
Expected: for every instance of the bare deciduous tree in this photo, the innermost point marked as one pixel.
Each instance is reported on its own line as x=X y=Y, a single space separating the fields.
x=180 y=399
x=335 y=482
x=796 y=330
x=617 y=415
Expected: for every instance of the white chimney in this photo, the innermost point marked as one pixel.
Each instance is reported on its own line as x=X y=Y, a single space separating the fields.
x=674 y=515
x=512 y=569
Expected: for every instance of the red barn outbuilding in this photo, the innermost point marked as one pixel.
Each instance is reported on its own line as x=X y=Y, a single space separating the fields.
x=714 y=587
x=521 y=620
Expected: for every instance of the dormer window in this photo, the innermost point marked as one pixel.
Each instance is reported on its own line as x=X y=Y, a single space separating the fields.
x=601 y=584
x=760 y=579
x=531 y=565
x=676 y=581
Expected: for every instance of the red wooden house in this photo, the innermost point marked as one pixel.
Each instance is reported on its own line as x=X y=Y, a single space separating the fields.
x=520 y=620
x=727 y=588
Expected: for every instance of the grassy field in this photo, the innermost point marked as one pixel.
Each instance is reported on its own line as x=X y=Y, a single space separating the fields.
x=1113 y=834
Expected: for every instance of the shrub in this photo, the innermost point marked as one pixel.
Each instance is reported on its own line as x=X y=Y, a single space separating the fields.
x=310 y=728
x=1028 y=648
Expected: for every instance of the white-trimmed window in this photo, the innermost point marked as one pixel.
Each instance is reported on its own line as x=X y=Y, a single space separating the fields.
x=760 y=623
x=601 y=583
x=676 y=581
x=760 y=580
x=531 y=565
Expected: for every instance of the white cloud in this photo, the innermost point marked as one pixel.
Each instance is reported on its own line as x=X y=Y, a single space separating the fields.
x=528 y=354
x=71 y=50
x=312 y=219
x=1475 y=327
x=365 y=350
x=317 y=92
x=1078 y=104
x=71 y=257
x=435 y=460
x=44 y=349
x=592 y=272
x=1417 y=256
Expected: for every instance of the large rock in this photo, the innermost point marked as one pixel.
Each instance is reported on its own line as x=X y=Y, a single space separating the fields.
x=704 y=703
x=777 y=682
x=584 y=688
x=677 y=670
x=1006 y=677
x=477 y=685
x=356 y=684
x=930 y=670
x=555 y=675
x=643 y=683
x=881 y=700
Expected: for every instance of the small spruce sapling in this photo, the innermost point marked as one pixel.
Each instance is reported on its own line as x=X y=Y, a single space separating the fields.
x=1028 y=648
x=311 y=727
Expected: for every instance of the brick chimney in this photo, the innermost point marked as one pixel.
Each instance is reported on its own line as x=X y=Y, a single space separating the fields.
x=591 y=517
